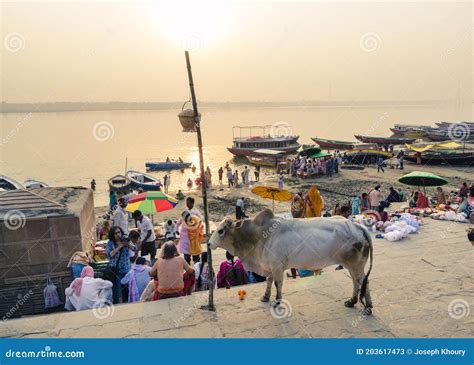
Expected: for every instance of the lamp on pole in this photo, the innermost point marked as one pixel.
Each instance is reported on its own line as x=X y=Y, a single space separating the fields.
x=197 y=121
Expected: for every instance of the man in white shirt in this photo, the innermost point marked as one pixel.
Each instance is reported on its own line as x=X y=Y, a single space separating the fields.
x=239 y=209
x=147 y=235
x=120 y=218
x=192 y=209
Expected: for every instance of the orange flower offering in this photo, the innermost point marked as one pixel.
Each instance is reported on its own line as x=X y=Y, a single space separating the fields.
x=242 y=294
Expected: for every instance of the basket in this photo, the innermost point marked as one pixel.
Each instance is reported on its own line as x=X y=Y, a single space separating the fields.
x=186 y=117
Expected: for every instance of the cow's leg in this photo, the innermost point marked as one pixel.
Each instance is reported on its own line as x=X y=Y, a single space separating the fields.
x=357 y=276
x=268 y=291
x=278 y=277
x=368 y=300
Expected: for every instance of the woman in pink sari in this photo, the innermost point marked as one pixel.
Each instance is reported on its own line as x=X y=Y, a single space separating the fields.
x=231 y=273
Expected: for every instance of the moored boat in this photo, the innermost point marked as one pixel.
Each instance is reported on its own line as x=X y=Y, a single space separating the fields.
x=443 y=158
x=385 y=140
x=333 y=144
x=362 y=157
x=162 y=166
x=409 y=131
x=143 y=181
x=246 y=145
x=267 y=158
x=7 y=183
x=31 y=183
x=120 y=184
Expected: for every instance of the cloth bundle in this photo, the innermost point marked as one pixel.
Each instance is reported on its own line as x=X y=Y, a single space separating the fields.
x=450 y=216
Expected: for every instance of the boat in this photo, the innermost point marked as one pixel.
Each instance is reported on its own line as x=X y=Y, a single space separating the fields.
x=246 y=145
x=143 y=181
x=369 y=156
x=441 y=134
x=409 y=131
x=7 y=183
x=333 y=144
x=120 y=184
x=267 y=158
x=31 y=183
x=162 y=166
x=444 y=158
x=446 y=153
x=385 y=140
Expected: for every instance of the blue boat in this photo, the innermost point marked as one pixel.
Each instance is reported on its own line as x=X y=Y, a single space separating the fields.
x=143 y=181
x=172 y=165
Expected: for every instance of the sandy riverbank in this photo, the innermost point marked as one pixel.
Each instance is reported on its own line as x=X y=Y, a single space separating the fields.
x=337 y=189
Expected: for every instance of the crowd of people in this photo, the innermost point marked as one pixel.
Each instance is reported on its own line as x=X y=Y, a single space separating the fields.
x=326 y=166
x=135 y=272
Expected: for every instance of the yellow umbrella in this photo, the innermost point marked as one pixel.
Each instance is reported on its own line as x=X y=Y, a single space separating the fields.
x=268 y=192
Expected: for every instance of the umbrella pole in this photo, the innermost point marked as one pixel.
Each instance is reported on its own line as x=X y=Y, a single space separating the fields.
x=210 y=305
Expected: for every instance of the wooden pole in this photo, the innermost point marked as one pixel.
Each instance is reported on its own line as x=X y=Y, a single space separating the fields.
x=197 y=120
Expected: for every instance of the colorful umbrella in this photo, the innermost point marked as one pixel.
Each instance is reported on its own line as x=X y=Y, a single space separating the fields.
x=268 y=192
x=151 y=202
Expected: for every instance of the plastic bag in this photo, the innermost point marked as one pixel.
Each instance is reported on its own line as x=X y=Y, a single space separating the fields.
x=51 y=296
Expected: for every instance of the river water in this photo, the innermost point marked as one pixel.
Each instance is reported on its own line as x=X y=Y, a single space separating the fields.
x=71 y=148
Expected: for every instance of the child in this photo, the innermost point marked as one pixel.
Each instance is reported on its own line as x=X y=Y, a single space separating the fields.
x=280 y=181
x=134 y=237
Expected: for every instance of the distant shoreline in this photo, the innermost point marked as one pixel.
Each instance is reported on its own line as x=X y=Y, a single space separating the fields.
x=124 y=106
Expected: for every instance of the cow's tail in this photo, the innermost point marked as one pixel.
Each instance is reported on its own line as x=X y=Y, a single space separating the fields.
x=363 y=287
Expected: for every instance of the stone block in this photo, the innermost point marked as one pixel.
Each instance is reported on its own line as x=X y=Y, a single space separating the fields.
x=62 y=227
x=14 y=253
x=38 y=229
x=43 y=252
x=67 y=247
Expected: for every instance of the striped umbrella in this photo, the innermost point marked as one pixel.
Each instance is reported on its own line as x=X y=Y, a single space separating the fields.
x=151 y=202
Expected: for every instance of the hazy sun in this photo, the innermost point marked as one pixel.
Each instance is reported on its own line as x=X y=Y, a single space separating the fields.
x=193 y=26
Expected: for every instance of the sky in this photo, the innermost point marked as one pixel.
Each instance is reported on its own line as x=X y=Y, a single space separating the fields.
x=240 y=51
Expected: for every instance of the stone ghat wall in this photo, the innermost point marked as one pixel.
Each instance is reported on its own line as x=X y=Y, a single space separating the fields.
x=27 y=254
x=39 y=247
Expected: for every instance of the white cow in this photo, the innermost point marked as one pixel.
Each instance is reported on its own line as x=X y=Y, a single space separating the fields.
x=268 y=246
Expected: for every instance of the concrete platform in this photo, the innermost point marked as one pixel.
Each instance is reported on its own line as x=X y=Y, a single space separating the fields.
x=421 y=287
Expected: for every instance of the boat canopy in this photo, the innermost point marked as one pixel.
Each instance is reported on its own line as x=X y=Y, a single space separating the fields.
x=443 y=145
x=266 y=151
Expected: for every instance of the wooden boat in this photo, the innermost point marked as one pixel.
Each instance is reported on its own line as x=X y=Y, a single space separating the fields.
x=385 y=140
x=333 y=144
x=162 y=166
x=444 y=158
x=7 y=183
x=409 y=131
x=143 y=181
x=120 y=184
x=31 y=183
x=267 y=158
x=362 y=157
x=246 y=145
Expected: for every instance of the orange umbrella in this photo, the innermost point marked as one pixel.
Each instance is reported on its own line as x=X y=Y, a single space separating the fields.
x=269 y=192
